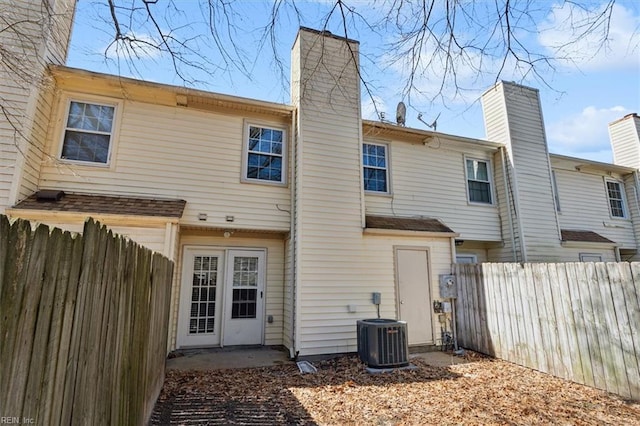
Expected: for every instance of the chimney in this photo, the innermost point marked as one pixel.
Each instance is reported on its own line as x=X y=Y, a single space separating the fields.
x=624 y=135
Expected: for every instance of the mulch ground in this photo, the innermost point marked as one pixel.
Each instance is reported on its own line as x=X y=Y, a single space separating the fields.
x=485 y=391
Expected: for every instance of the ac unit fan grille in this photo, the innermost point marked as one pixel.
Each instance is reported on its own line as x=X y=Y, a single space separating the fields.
x=383 y=343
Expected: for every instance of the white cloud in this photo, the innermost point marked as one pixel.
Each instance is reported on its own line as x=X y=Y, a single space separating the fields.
x=370 y=105
x=568 y=22
x=584 y=134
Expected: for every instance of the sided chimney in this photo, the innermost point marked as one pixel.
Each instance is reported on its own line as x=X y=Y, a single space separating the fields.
x=624 y=135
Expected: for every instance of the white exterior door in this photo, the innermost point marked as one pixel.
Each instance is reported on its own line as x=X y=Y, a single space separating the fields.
x=244 y=297
x=414 y=294
x=200 y=308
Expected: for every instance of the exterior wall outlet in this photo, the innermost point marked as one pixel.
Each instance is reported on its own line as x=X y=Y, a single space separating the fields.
x=352 y=308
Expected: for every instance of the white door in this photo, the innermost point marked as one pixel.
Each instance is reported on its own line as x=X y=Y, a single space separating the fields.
x=244 y=297
x=200 y=309
x=414 y=294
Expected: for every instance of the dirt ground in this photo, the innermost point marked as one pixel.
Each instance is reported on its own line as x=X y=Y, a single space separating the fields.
x=485 y=391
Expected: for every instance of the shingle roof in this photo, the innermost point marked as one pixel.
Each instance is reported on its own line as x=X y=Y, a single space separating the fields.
x=407 y=223
x=89 y=203
x=584 y=236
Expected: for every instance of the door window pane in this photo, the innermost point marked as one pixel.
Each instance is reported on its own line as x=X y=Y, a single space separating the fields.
x=203 y=294
x=245 y=287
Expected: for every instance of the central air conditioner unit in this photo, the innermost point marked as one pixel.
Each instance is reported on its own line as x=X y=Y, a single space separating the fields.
x=383 y=343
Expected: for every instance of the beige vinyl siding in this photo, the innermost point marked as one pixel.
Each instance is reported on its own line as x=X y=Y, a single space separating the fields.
x=328 y=190
x=274 y=303
x=25 y=95
x=329 y=327
x=625 y=141
x=585 y=206
x=573 y=254
x=288 y=302
x=152 y=238
x=174 y=152
x=632 y=187
x=526 y=144
x=511 y=248
x=430 y=181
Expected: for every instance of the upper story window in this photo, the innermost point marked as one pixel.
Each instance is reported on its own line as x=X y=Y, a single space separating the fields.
x=478 y=181
x=265 y=155
x=88 y=132
x=616 y=198
x=376 y=169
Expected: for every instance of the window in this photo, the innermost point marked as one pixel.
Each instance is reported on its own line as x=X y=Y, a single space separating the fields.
x=265 y=154
x=466 y=258
x=616 y=200
x=478 y=182
x=88 y=132
x=590 y=257
x=376 y=176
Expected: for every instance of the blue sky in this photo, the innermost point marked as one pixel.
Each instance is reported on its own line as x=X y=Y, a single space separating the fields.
x=593 y=89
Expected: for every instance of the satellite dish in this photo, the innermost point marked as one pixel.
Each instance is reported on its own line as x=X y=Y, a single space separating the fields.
x=401 y=113
x=433 y=125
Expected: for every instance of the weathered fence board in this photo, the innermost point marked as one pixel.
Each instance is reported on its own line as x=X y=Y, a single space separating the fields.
x=579 y=321
x=83 y=330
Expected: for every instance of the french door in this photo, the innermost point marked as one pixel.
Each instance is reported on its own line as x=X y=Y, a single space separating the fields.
x=221 y=297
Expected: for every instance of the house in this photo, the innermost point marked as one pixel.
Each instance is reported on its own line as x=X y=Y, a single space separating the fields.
x=282 y=220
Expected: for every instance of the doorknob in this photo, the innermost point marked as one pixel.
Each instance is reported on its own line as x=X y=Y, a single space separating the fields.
x=402 y=302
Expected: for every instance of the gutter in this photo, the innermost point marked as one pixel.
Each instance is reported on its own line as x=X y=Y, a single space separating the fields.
x=508 y=197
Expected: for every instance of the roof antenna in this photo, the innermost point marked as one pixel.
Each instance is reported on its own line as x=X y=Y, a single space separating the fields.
x=401 y=113
x=433 y=125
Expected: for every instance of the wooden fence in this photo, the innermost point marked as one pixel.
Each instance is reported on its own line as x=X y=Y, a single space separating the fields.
x=578 y=321
x=83 y=326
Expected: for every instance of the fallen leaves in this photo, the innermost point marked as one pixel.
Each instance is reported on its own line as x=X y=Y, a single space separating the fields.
x=485 y=391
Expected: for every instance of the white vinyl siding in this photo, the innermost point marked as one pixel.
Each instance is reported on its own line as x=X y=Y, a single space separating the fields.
x=585 y=204
x=625 y=141
x=513 y=116
x=190 y=154
x=27 y=100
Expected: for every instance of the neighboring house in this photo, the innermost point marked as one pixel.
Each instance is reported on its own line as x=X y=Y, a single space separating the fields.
x=283 y=219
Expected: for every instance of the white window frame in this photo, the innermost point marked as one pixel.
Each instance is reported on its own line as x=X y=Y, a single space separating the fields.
x=590 y=257
x=461 y=256
x=115 y=127
x=622 y=199
x=245 y=153
x=490 y=181
x=387 y=157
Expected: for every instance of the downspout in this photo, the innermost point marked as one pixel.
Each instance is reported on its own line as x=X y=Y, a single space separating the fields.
x=293 y=351
x=508 y=197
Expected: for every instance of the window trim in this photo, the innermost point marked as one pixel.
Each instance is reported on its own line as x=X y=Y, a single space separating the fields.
x=245 y=152
x=490 y=181
x=623 y=199
x=584 y=257
x=471 y=256
x=65 y=106
x=387 y=153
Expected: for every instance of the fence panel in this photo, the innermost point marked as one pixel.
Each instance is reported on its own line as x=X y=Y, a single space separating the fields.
x=578 y=321
x=83 y=325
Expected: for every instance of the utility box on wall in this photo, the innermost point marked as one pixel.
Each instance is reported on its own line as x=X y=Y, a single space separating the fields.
x=448 y=287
